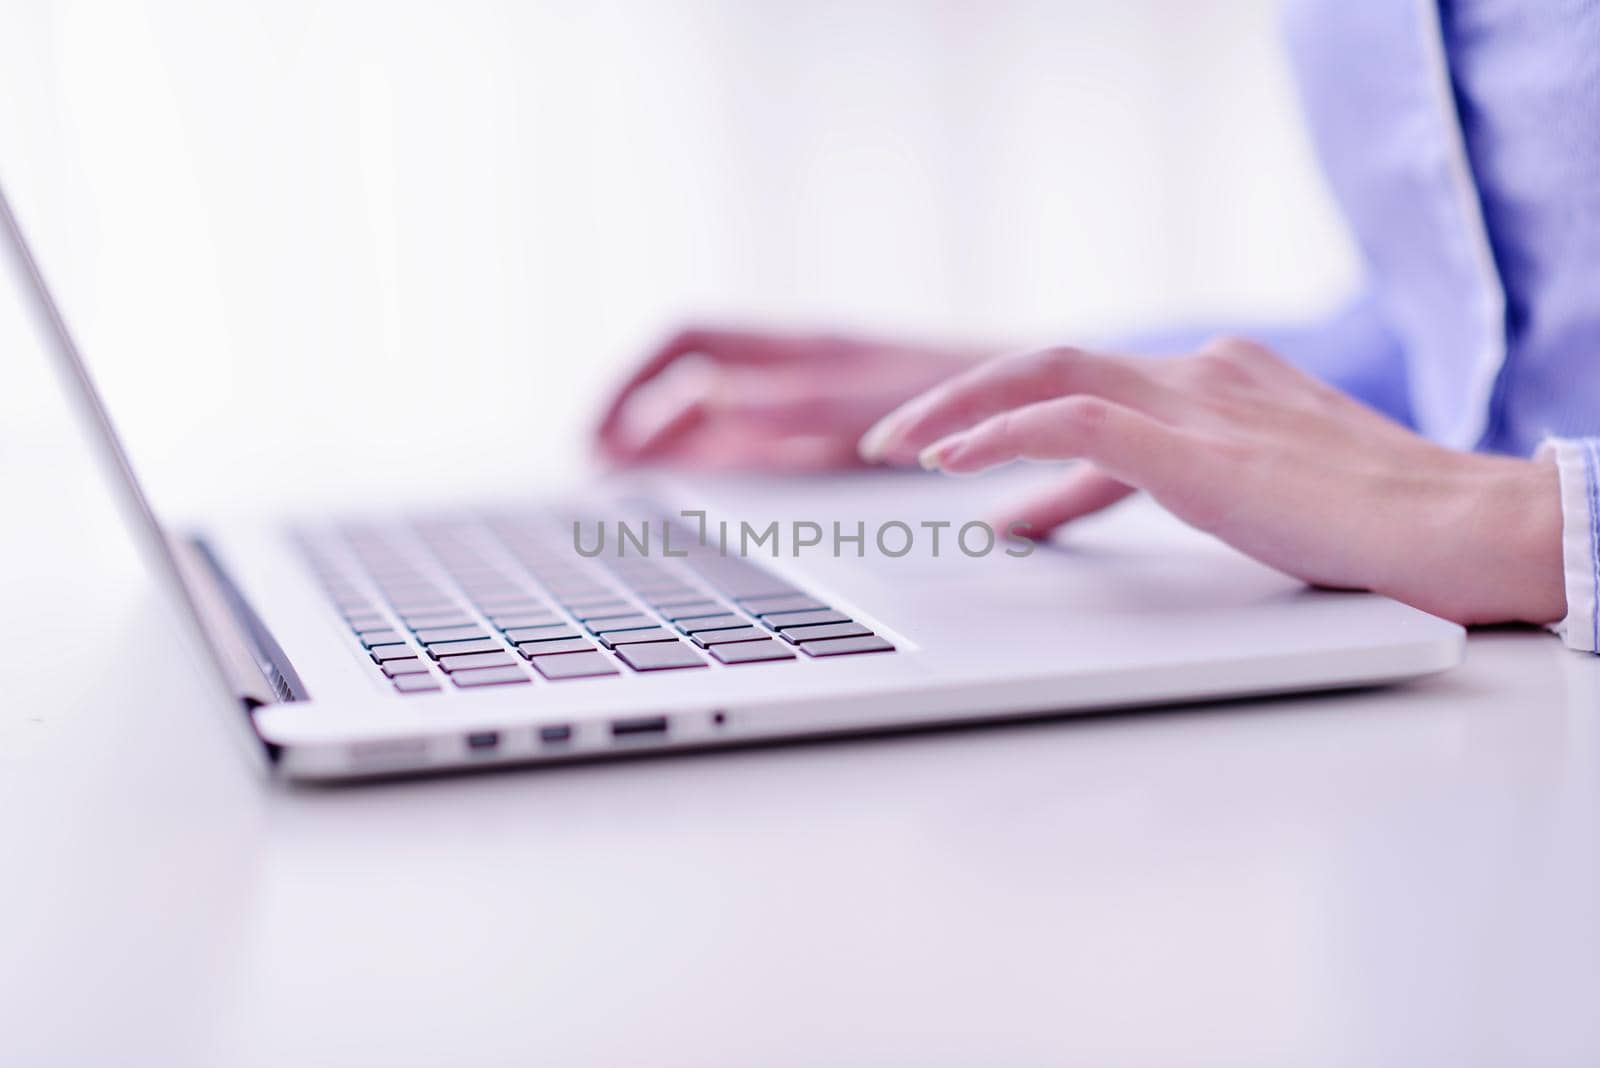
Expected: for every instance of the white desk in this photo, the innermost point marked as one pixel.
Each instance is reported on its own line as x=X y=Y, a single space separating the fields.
x=1405 y=877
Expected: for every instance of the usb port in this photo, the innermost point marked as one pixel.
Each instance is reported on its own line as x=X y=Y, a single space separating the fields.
x=483 y=739
x=633 y=728
x=555 y=735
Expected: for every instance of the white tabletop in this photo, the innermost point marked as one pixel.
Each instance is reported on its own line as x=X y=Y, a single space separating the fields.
x=1408 y=876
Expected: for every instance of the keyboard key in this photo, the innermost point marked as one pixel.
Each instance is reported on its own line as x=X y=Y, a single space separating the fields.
x=407 y=584
x=660 y=656
x=566 y=582
x=437 y=606
x=388 y=565
x=583 y=597
x=403 y=576
x=506 y=621
x=574 y=666
x=555 y=648
x=785 y=620
x=557 y=572
x=416 y=684
x=492 y=587
x=656 y=586
x=751 y=652
x=390 y=569
x=423 y=620
x=867 y=643
x=453 y=664
x=412 y=591
x=691 y=609
x=738 y=578
x=665 y=595
x=487 y=583
x=707 y=638
x=633 y=568
x=610 y=623
x=826 y=630
x=548 y=633
x=604 y=595
x=597 y=598
x=430 y=635
x=470 y=572
x=506 y=600
x=722 y=622
x=765 y=606
x=615 y=638
x=479 y=645
x=492 y=676
x=602 y=609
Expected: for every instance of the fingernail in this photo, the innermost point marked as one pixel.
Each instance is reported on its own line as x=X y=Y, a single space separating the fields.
x=941 y=452
x=932 y=458
x=875 y=441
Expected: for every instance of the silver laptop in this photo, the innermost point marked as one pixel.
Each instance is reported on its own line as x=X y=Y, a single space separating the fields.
x=654 y=615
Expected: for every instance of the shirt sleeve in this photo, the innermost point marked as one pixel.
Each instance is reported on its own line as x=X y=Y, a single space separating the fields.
x=1577 y=461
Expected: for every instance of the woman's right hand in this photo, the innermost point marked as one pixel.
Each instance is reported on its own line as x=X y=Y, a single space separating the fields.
x=1238 y=442
x=744 y=400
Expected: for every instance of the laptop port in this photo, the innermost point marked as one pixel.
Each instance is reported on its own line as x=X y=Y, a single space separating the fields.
x=556 y=734
x=483 y=740
x=638 y=726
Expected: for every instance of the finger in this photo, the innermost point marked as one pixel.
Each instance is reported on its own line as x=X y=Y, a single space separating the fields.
x=718 y=447
x=1081 y=493
x=706 y=437
x=661 y=409
x=608 y=433
x=1004 y=384
x=804 y=402
x=744 y=408
x=721 y=346
x=792 y=454
x=1129 y=446
x=667 y=437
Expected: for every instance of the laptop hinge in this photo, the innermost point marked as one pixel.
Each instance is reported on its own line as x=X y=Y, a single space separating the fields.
x=253 y=662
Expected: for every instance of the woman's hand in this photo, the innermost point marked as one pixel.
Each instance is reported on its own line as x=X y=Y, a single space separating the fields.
x=1240 y=444
x=728 y=399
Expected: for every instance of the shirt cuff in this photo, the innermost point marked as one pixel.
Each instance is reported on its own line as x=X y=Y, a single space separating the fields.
x=1577 y=461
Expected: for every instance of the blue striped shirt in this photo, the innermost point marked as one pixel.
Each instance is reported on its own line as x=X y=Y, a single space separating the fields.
x=1461 y=139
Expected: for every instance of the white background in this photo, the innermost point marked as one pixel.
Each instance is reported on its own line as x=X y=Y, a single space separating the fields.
x=327 y=251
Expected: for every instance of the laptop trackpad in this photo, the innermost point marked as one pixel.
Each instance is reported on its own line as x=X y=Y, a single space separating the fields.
x=917 y=536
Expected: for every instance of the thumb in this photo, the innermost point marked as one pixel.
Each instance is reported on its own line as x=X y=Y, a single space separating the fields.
x=1080 y=493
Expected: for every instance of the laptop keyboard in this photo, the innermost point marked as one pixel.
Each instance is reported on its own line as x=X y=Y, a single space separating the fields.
x=465 y=602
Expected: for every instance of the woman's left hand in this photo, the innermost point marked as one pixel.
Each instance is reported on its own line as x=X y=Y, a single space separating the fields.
x=1239 y=443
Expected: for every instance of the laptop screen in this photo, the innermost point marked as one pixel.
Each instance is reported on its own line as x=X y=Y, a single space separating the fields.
x=27 y=291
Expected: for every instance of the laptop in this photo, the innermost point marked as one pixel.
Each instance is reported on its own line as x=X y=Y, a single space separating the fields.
x=656 y=614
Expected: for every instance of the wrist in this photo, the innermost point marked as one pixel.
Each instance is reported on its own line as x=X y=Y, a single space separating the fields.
x=1514 y=571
